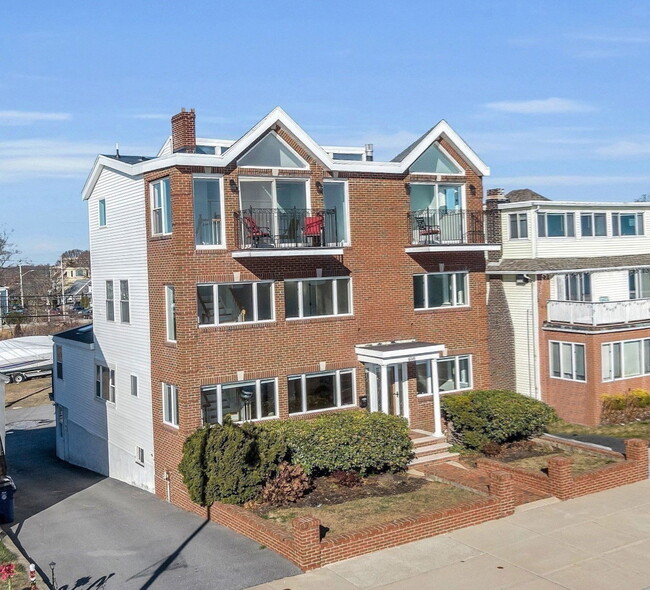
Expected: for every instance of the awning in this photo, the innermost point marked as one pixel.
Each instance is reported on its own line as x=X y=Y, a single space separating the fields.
x=387 y=353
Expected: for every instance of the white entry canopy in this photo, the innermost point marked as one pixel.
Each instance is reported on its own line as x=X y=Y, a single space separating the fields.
x=386 y=353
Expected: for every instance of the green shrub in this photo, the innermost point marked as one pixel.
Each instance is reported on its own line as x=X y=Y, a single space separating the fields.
x=192 y=465
x=346 y=441
x=495 y=416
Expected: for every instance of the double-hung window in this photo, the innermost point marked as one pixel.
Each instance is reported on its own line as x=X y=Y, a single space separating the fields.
x=321 y=391
x=440 y=289
x=161 y=207
x=568 y=361
x=170 y=313
x=574 y=286
x=556 y=225
x=518 y=226
x=125 y=310
x=622 y=360
x=593 y=225
x=208 y=211
x=627 y=224
x=232 y=303
x=639 y=282
x=102 y=212
x=306 y=298
x=110 y=302
x=105 y=383
x=241 y=401
x=170 y=404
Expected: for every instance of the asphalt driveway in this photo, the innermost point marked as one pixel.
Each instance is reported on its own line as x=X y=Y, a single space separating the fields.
x=101 y=531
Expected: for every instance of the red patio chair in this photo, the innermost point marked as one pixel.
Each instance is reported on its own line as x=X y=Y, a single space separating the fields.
x=313 y=228
x=255 y=232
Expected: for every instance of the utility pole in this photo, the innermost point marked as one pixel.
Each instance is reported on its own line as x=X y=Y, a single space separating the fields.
x=62 y=291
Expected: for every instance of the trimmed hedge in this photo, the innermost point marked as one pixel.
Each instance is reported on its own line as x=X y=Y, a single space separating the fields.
x=346 y=441
x=495 y=416
x=625 y=407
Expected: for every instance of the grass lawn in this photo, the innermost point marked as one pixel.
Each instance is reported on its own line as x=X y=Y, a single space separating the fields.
x=21 y=579
x=356 y=514
x=632 y=430
x=582 y=462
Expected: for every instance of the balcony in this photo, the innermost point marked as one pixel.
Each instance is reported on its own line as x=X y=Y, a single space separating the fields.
x=287 y=232
x=442 y=230
x=599 y=313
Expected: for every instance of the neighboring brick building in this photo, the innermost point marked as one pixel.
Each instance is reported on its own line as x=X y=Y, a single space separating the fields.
x=273 y=277
x=570 y=301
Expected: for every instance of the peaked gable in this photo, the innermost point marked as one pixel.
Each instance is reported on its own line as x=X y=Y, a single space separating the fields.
x=271 y=152
x=435 y=161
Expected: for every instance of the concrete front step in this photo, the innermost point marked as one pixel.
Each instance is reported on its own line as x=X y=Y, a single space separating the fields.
x=427 y=440
x=434 y=458
x=429 y=449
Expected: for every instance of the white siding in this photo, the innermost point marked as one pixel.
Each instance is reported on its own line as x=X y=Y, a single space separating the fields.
x=614 y=285
x=520 y=304
x=518 y=247
x=119 y=252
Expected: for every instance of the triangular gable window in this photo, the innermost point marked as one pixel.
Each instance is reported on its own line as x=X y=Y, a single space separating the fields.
x=434 y=161
x=271 y=152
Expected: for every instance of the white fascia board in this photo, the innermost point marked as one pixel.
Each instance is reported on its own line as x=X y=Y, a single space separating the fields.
x=273 y=253
x=345 y=149
x=444 y=129
x=165 y=146
x=574 y=205
x=453 y=248
x=493 y=271
x=132 y=170
x=366 y=355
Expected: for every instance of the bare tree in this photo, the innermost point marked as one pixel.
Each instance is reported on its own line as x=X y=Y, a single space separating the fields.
x=7 y=251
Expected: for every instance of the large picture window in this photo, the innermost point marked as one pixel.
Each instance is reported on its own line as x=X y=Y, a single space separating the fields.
x=622 y=360
x=317 y=297
x=454 y=373
x=444 y=289
x=627 y=224
x=556 y=225
x=161 y=207
x=241 y=401
x=208 y=215
x=232 y=303
x=321 y=391
x=568 y=361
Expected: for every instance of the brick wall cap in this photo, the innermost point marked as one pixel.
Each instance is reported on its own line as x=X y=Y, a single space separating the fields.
x=559 y=461
x=302 y=523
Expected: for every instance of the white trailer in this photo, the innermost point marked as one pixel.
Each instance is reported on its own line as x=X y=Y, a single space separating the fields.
x=25 y=357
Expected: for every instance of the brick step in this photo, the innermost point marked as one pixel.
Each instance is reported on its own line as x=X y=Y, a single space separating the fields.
x=525 y=496
x=434 y=458
x=430 y=449
x=427 y=440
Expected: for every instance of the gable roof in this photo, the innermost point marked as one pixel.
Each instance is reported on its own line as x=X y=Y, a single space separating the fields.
x=522 y=195
x=278 y=117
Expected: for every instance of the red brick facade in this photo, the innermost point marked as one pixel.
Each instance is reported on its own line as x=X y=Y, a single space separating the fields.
x=382 y=296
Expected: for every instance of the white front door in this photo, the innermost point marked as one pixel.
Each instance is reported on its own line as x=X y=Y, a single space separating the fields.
x=387 y=389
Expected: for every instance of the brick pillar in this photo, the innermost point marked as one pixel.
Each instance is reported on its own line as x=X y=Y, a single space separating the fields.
x=495 y=197
x=636 y=449
x=560 y=477
x=503 y=489
x=184 y=131
x=306 y=538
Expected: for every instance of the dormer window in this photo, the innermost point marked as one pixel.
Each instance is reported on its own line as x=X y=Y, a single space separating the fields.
x=627 y=224
x=593 y=224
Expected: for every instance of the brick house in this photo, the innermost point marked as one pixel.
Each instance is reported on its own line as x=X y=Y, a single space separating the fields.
x=570 y=300
x=272 y=277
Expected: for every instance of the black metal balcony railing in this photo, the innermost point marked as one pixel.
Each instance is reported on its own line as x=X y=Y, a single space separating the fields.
x=286 y=228
x=440 y=226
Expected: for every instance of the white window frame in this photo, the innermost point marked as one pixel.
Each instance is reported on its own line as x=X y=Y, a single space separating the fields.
x=170 y=313
x=454 y=305
x=519 y=218
x=583 y=280
x=456 y=360
x=171 y=412
x=453 y=160
x=346 y=196
x=274 y=191
x=101 y=213
x=134 y=386
x=100 y=394
x=139 y=456
x=593 y=214
x=164 y=203
x=222 y=225
x=125 y=304
x=306 y=167
x=337 y=383
x=258 y=395
x=607 y=352
x=570 y=228
x=574 y=346
x=301 y=311
x=634 y=276
x=215 y=298
x=616 y=224
x=110 y=302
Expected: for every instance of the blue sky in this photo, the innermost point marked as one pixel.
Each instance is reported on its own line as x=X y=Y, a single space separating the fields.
x=552 y=95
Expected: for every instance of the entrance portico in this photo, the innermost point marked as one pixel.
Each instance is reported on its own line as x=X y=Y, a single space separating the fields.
x=387 y=375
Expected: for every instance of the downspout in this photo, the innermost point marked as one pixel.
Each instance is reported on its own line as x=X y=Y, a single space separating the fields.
x=535 y=315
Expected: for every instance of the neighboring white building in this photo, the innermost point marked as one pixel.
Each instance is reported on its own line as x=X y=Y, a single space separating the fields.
x=104 y=403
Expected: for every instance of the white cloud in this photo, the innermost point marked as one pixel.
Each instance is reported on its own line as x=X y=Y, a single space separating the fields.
x=30 y=117
x=625 y=149
x=152 y=116
x=560 y=180
x=543 y=106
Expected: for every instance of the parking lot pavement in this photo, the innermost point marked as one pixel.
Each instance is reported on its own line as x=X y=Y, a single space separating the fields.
x=101 y=531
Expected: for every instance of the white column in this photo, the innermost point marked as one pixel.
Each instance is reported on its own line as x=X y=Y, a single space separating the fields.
x=437 y=419
x=384 y=389
x=372 y=388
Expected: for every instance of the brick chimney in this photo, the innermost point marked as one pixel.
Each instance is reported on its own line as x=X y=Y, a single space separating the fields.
x=184 y=131
x=495 y=197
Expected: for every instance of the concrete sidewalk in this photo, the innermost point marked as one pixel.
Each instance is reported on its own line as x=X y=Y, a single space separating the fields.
x=596 y=542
